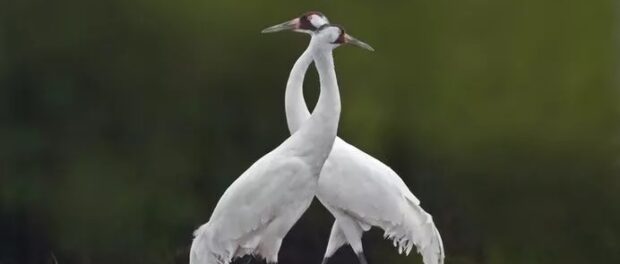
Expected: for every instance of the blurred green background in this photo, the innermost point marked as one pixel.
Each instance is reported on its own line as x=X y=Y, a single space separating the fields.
x=123 y=121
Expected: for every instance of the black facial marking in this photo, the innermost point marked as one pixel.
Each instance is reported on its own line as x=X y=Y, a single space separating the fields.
x=341 y=39
x=305 y=24
x=323 y=26
x=304 y=20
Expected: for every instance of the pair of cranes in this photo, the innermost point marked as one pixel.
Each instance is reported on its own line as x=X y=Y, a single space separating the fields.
x=260 y=207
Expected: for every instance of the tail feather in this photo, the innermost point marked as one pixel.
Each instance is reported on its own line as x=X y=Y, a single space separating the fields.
x=205 y=251
x=417 y=229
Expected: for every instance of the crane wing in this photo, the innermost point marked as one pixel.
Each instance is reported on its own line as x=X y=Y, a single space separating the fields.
x=249 y=204
x=374 y=194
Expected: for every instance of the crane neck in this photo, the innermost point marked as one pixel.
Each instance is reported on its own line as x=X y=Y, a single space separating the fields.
x=294 y=103
x=323 y=123
x=315 y=137
x=329 y=99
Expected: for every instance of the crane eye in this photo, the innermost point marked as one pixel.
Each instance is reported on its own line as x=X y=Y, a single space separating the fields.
x=341 y=38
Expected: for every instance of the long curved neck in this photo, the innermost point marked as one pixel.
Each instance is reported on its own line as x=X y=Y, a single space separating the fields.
x=295 y=105
x=315 y=137
x=328 y=105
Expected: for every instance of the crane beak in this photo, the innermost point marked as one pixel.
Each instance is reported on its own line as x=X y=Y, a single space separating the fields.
x=353 y=41
x=288 y=25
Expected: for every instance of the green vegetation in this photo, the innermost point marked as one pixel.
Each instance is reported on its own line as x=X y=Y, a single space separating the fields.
x=123 y=121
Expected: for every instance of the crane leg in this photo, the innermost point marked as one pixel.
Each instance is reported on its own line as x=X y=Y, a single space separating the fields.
x=361 y=258
x=336 y=240
x=353 y=233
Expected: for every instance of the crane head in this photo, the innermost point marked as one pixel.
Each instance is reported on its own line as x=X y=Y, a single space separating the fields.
x=335 y=35
x=307 y=23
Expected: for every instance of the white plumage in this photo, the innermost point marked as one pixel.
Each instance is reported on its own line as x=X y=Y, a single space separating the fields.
x=260 y=207
x=360 y=191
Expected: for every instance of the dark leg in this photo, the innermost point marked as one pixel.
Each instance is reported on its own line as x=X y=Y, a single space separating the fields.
x=361 y=258
x=325 y=260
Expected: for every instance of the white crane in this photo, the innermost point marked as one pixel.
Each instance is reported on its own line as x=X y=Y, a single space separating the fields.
x=260 y=207
x=359 y=190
